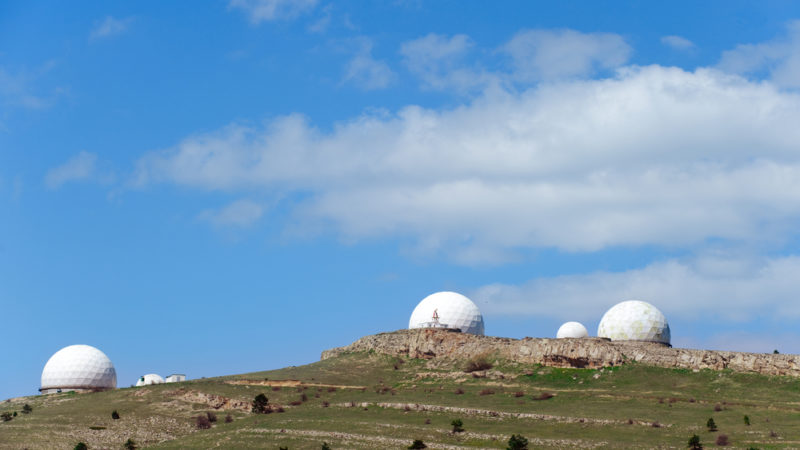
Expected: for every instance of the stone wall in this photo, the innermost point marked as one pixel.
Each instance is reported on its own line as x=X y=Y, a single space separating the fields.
x=590 y=352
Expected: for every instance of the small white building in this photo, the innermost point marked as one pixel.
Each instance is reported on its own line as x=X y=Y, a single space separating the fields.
x=176 y=378
x=150 y=378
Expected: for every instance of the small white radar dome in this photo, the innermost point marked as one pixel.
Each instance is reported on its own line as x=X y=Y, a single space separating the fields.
x=150 y=378
x=572 y=330
x=447 y=310
x=78 y=368
x=634 y=320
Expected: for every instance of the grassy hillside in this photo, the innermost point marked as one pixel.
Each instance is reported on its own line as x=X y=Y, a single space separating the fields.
x=374 y=401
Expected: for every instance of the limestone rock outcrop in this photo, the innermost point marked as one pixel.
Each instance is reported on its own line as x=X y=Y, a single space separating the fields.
x=432 y=343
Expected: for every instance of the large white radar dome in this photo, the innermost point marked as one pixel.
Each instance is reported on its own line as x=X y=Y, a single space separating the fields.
x=572 y=330
x=150 y=378
x=447 y=310
x=78 y=368
x=634 y=320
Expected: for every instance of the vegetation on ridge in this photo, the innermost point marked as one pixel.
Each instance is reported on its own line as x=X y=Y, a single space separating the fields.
x=370 y=400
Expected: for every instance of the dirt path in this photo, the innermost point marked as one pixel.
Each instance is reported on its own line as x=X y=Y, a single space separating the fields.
x=291 y=383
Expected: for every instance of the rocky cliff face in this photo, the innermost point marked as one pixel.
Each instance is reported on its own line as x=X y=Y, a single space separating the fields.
x=588 y=353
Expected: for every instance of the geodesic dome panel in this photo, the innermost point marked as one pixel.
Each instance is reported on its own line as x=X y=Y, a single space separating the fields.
x=634 y=320
x=454 y=311
x=79 y=367
x=150 y=378
x=572 y=330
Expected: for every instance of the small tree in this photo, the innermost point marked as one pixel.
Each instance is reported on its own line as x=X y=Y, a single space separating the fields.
x=260 y=404
x=712 y=426
x=202 y=422
x=517 y=442
x=26 y=409
x=115 y=415
x=458 y=426
x=746 y=420
x=417 y=445
x=775 y=352
x=694 y=442
x=81 y=446
x=130 y=445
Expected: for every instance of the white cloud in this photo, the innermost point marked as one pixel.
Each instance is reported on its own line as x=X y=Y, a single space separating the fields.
x=365 y=71
x=779 y=58
x=550 y=55
x=241 y=213
x=80 y=167
x=268 y=10
x=110 y=27
x=440 y=62
x=677 y=42
x=724 y=287
x=654 y=156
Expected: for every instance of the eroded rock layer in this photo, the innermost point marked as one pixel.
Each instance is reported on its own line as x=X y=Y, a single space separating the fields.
x=585 y=353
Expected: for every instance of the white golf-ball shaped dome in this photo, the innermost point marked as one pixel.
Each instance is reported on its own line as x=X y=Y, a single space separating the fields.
x=572 y=330
x=79 y=367
x=634 y=320
x=453 y=309
x=150 y=378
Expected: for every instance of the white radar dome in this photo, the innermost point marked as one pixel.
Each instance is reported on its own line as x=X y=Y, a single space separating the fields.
x=634 y=320
x=150 y=378
x=447 y=310
x=572 y=330
x=78 y=368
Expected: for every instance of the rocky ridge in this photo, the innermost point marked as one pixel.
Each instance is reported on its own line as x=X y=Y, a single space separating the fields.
x=582 y=353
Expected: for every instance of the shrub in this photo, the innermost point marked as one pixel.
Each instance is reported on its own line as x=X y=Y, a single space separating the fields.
x=519 y=394
x=486 y=391
x=326 y=403
x=115 y=415
x=427 y=421
x=212 y=417
x=458 y=426
x=517 y=442
x=15 y=414
x=261 y=404
x=630 y=421
x=325 y=446
x=712 y=426
x=773 y=434
x=130 y=445
x=417 y=444
x=304 y=397
x=295 y=403
x=276 y=388
x=543 y=396
x=717 y=407
x=202 y=422
x=228 y=418
x=694 y=442
x=746 y=420
x=331 y=389
x=722 y=440
x=81 y=446
x=26 y=409
x=278 y=409
x=479 y=362
x=6 y=416
x=459 y=391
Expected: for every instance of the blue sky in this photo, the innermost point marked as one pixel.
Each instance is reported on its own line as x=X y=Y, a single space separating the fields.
x=239 y=185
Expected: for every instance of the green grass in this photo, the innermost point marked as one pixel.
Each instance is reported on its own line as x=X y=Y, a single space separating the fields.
x=589 y=408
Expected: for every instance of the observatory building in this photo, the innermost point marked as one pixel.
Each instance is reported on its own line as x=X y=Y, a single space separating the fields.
x=80 y=368
x=447 y=310
x=634 y=320
x=572 y=330
x=150 y=378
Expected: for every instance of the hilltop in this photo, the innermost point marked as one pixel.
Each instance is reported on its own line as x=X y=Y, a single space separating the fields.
x=385 y=390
